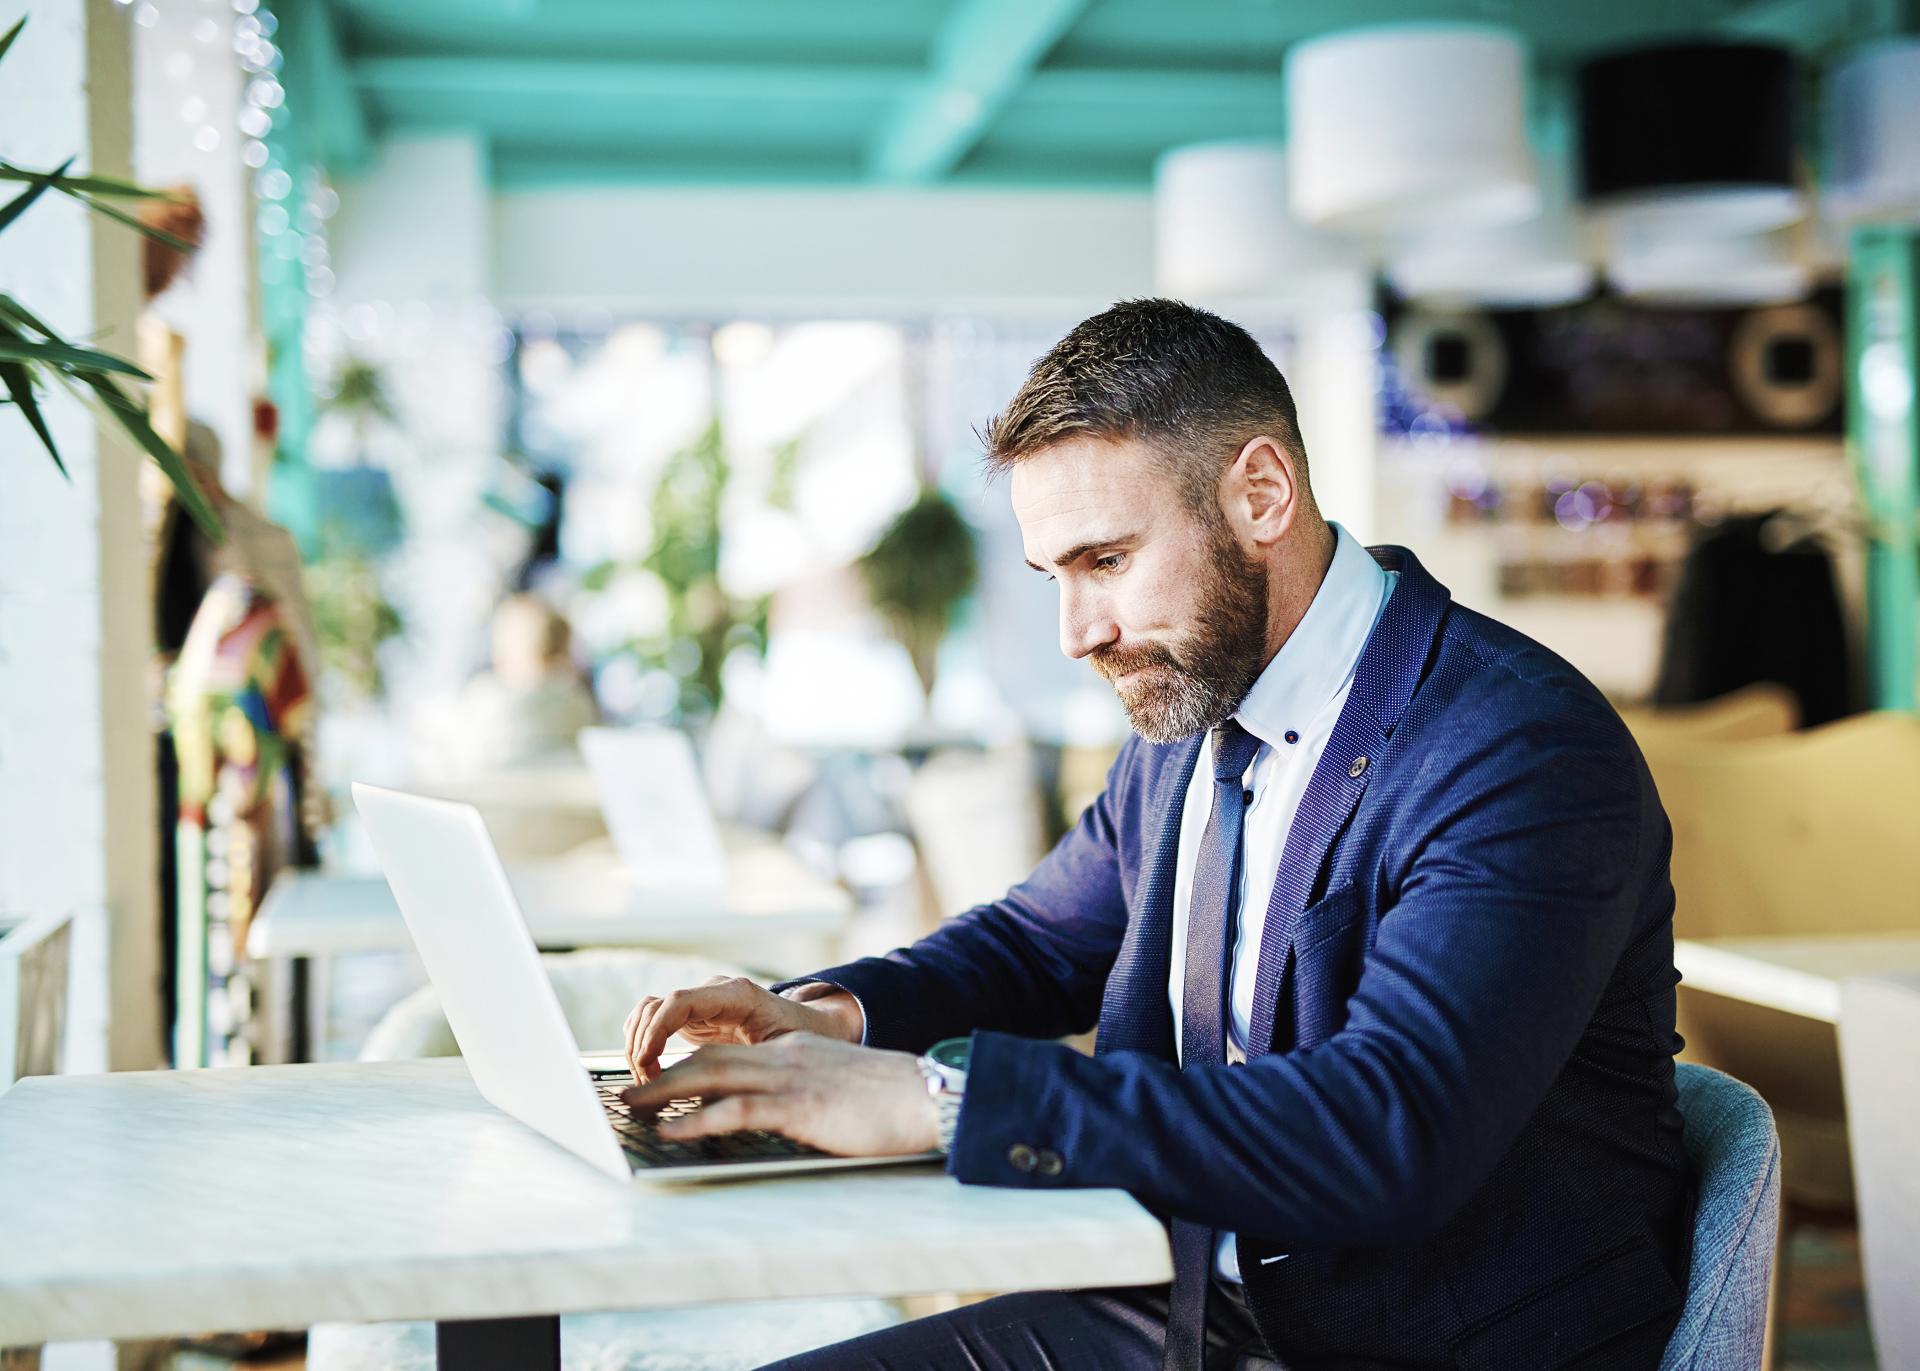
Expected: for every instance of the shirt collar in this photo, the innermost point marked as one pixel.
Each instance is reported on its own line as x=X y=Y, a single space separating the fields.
x=1320 y=655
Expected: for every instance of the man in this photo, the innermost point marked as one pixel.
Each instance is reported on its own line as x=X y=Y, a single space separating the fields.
x=1374 y=918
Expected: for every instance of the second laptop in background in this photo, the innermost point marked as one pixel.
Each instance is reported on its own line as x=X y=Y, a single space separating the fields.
x=656 y=808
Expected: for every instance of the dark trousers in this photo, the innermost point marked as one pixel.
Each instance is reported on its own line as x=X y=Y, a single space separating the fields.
x=1049 y=1330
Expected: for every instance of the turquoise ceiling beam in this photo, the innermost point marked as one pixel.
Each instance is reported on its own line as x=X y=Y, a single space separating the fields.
x=316 y=74
x=981 y=54
x=414 y=79
x=574 y=79
x=1807 y=26
x=1128 y=87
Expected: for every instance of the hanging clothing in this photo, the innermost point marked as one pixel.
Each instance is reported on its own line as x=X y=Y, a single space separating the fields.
x=1745 y=612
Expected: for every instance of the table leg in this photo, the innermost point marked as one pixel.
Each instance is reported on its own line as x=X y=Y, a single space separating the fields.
x=529 y=1344
x=312 y=988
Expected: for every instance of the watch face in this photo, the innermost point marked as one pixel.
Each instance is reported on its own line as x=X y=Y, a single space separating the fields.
x=951 y=1052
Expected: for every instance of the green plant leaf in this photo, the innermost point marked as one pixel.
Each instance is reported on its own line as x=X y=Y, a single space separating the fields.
x=20 y=385
x=119 y=215
x=15 y=348
x=599 y=576
x=12 y=34
x=35 y=189
x=133 y=418
x=90 y=185
x=11 y=309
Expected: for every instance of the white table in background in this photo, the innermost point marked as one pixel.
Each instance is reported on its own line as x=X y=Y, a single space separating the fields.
x=774 y=914
x=1795 y=973
x=154 y=1204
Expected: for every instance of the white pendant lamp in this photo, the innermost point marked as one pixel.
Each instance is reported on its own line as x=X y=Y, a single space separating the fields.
x=1538 y=262
x=1393 y=129
x=1660 y=267
x=1873 y=135
x=1223 y=234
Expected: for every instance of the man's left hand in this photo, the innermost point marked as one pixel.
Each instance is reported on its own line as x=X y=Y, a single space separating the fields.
x=849 y=1100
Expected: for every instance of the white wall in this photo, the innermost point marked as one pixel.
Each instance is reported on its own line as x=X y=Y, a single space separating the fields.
x=416 y=226
x=822 y=252
x=77 y=790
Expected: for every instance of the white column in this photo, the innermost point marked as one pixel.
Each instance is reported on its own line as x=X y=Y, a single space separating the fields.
x=188 y=106
x=1333 y=378
x=77 y=802
x=412 y=253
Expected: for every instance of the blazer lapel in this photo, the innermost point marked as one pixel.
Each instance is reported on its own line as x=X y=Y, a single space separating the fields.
x=1390 y=667
x=1134 y=1013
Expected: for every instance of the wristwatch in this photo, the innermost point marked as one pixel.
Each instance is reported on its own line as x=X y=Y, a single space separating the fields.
x=944 y=1065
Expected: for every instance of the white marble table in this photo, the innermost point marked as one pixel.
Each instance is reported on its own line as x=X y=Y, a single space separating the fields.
x=151 y=1204
x=774 y=915
x=1798 y=974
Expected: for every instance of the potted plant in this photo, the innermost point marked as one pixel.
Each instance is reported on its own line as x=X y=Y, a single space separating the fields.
x=701 y=622
x=355 y=509
x=917 y=574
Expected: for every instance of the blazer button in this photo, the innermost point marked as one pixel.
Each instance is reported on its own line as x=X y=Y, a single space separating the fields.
x=1048 y=1163
x=1357 y=767
x=1022 y=1158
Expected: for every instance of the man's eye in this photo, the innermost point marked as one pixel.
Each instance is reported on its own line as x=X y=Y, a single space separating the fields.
x=1111 y=562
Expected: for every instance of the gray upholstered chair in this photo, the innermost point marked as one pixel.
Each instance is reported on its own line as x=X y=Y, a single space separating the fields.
x=1730 y=1139
x=1880 y=1060
x=596 y=989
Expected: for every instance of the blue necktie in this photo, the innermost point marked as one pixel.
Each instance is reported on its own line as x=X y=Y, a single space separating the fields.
x=1203 y=1016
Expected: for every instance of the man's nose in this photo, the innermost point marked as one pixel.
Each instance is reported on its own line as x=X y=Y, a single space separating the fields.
x=1085 y=623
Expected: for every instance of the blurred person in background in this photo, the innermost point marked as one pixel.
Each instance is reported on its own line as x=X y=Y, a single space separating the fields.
x=1373 y=917
x=527 y=707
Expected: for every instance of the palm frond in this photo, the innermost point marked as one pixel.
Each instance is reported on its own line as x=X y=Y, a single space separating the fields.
x=19 y=384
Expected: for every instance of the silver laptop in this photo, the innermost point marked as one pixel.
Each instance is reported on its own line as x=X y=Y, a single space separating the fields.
x=459 y=908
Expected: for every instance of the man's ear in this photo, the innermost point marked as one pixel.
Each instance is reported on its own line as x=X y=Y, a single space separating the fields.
x=1262 y=492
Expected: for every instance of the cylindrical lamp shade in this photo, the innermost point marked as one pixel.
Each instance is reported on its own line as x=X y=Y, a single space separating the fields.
x=1693 y=137
x=1393 y=129
x=1542 y=261
x=1659 y=267
x=1223 y=232
x=1873 y=135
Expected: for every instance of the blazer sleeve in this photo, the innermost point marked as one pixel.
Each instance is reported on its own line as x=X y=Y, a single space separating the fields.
x=1514 y=908
x=1032 y=963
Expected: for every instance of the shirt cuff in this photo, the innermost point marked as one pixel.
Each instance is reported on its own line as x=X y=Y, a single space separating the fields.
x=782 y=987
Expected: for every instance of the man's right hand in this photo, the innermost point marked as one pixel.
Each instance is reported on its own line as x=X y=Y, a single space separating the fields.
x=732 y=1009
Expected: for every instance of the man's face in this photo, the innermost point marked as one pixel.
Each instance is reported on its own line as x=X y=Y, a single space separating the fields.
x=1167 y=606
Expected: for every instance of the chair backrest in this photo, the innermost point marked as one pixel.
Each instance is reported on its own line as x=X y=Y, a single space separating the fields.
x=1730 y=1140
x=596 y=989
x=1762 y=710
x=976 y=819
x=1807 y=832
x=1880 y=1063
x=33 y=994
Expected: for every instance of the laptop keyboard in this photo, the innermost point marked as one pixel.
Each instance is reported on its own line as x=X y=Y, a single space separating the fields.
x=640 y=1136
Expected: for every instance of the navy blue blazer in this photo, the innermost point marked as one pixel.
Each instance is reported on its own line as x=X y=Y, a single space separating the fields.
x=1455 y=1141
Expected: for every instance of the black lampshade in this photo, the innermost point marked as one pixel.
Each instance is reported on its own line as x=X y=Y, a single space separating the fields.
x=1699 y=135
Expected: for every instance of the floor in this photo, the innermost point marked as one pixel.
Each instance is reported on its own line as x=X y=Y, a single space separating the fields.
x=1826 y=1317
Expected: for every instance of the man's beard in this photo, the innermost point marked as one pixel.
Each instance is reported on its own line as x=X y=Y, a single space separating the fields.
x=1201 y=680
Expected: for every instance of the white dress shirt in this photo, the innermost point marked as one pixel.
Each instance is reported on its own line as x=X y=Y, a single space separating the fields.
x=1291 y=709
